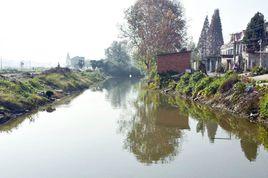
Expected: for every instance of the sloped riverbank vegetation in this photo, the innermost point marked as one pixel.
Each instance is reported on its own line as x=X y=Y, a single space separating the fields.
x=231 y=92
x=18 y=97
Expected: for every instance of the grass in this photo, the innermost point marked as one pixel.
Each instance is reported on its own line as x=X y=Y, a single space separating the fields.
x=230 y=89
x=199 y=84
x=16 y=96
x=264 y=106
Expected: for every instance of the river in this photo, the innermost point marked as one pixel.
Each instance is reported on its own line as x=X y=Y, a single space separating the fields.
x=119 y=130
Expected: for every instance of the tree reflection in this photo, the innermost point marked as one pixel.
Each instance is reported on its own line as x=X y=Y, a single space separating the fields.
x=117 y=90
x=250 y=149
x=212 y=130
x=251 y=136
x=153 y=133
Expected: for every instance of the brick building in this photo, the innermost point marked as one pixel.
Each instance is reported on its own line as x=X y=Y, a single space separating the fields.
x=174 y=62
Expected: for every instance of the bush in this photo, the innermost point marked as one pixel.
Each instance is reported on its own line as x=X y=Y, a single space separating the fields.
x=187 y=90
x=212 y=88
x=202 y=85
x=228 y=83
x=183 y=82
x=172 y=84
x=264 y=107
x=196 y=77
x=258 y=70
x=239 y=87
x=229 y=73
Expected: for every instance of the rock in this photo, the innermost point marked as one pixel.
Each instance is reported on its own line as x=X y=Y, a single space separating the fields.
x=50 y=109
x=254 y=115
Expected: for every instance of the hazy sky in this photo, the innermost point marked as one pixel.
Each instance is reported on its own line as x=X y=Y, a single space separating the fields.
x=46 y=30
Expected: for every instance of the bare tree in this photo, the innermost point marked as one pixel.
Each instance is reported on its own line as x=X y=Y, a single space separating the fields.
x=155 y=26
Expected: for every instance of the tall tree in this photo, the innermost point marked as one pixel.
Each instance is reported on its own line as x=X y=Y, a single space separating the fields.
x=155 y=26
x=255 y=32
x=215 y=36
x=203 y=42
x=117 y=53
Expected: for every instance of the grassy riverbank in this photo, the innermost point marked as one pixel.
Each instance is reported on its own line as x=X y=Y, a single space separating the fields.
x=230 y=92
x=18 y=97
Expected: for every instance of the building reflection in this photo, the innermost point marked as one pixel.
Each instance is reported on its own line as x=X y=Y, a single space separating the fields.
x=171 y=117
x=154 y=133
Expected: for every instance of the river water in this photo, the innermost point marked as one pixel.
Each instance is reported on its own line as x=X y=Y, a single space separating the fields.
x=122 y=131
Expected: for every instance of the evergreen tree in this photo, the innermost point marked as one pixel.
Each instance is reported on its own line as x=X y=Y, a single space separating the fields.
x=203 y=40
x=255 y=32
x=215 y=36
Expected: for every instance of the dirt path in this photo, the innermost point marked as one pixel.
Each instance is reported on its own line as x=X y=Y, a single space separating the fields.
x=261 y=77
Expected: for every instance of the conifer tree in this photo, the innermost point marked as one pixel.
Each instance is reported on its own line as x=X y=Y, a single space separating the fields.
x=215 y=36
x=203 y=43
x=255 y=32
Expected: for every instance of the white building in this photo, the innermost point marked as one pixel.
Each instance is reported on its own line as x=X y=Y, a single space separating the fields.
x=235 y=52
x=232 y=52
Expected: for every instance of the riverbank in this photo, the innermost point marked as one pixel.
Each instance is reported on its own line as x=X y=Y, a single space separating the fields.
x=23 y=95
x=231 y=92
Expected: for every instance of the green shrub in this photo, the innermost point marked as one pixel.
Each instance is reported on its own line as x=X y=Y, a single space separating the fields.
x=183 y=82
x=212 y=88
x=264 y=107
x=228 y=83
x=187 y=90
x=228 y=74
x=172 y=84
x=239 y=87
x=36 y=83
x=258 y=70
x=202 y=85
x=197 y=76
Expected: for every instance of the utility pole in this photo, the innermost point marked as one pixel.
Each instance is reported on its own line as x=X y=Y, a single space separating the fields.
x=260 y=42
x=234 y=52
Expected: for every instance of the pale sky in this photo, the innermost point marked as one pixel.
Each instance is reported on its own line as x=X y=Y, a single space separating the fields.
x=45 y=30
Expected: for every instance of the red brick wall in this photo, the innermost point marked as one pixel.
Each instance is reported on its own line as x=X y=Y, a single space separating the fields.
x=175 y=62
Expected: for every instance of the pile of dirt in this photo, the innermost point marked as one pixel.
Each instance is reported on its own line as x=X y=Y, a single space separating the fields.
x=59 y=70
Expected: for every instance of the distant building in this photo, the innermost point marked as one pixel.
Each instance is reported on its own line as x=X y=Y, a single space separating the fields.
x=235 y=52
x=68 y=60
x=212 y=63
x=258 y=58
x=174 y=62
x=232 y=52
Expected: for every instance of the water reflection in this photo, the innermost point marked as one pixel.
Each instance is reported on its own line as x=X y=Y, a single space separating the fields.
x=252 y=136
x=155 y=129
x=117 y=90
x=154 y=125
x=14 y=124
